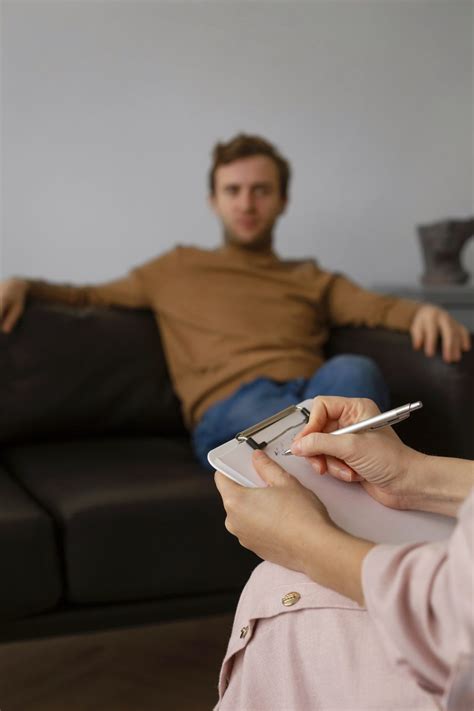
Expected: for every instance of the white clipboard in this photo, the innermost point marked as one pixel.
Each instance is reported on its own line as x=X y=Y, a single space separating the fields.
x=349 y=506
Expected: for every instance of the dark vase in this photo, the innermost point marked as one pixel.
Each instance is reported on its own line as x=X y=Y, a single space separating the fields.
x=441 y=245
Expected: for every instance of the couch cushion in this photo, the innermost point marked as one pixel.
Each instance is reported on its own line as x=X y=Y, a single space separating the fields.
x=30 y=566
x=70 y=372
x=140 y=519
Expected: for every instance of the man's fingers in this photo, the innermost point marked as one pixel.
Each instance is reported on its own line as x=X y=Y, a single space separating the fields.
x=454 y=353
x=450 y=346
x=433 y=323
x=429 y=324
x=430 y=336
x=11 y=317
x=465 y=339
x=416 y=336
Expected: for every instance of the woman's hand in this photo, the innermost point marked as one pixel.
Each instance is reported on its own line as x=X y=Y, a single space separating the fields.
x=379 y=459
x=287 y=524
x=273 y=521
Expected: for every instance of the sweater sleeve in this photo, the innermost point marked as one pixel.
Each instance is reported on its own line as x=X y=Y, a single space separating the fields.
x=350 y=305
x=127 y=293
x=421 y=598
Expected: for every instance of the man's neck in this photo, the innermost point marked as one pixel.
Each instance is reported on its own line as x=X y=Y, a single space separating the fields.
x=263 y=247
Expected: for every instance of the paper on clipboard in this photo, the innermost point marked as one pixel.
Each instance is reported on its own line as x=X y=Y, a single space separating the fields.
x=349 y=505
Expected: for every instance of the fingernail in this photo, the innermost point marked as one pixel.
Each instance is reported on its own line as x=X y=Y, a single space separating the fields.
x=296 y=447
x=344 y=473
x=258 y=454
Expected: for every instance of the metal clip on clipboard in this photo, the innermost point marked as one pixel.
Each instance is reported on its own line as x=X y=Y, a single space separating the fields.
x=247 y=435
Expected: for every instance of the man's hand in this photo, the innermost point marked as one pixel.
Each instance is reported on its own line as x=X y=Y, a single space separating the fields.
x=430 y=323
x=12 y=302
x=274 y=521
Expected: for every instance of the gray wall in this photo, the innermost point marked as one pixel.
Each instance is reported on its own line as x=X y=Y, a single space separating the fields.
x=110 y=109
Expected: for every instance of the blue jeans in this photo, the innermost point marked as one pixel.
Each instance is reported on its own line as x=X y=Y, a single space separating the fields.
x=348 y=375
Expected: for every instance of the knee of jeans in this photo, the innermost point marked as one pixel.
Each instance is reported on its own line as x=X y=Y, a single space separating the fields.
x=201 y=448
x=360 y=364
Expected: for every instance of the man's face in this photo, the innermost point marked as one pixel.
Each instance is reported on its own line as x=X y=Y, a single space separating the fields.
x=247 y=200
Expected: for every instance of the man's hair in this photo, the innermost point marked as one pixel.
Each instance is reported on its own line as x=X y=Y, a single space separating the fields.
x=245 y=146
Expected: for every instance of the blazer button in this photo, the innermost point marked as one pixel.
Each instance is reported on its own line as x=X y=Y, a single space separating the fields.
x=290 y=599
x=243 y=632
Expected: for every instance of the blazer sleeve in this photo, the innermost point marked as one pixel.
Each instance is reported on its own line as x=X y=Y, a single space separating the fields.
x=421 y=599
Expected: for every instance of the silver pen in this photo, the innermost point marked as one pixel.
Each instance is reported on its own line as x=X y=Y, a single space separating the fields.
x=385 y=419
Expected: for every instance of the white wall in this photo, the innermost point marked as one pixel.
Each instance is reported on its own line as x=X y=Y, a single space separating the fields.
x=110 y=109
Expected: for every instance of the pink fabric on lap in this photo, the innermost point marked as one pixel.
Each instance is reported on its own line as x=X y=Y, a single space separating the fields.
x=321 y=652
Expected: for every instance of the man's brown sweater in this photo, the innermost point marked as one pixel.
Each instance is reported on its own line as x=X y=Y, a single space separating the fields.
x=228 y=316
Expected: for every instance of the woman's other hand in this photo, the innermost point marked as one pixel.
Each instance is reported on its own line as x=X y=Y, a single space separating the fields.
x=272 y=521
x=287 y=524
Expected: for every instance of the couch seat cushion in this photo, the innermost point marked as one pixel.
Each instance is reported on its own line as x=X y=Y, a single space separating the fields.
x=30 y=565
x=139 y=518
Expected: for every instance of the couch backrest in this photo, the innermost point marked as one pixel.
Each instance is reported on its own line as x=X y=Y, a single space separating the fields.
x=445 y=425
x=70 y=372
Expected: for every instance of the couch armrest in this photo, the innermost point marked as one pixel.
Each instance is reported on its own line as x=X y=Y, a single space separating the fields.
x=445 y=424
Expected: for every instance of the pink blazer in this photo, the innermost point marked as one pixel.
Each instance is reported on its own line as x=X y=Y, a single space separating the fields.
x=421 y=598
x=296 y=645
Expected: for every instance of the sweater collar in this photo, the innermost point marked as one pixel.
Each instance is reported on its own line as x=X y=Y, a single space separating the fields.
x=237 y=253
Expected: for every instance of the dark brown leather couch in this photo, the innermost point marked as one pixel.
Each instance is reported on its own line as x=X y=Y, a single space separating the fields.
x=105 y=517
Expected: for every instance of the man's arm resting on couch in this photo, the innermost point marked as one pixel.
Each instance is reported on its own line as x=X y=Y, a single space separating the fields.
x=127 y=292
x=350 y=305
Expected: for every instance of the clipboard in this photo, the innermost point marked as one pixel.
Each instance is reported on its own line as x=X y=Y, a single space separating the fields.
x=349 y=505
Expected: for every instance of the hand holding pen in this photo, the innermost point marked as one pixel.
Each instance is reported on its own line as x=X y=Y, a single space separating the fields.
x=377 y=459
x=383 y=419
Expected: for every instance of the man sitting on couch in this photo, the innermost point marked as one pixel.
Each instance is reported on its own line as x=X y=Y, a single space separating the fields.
x=243 y=330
